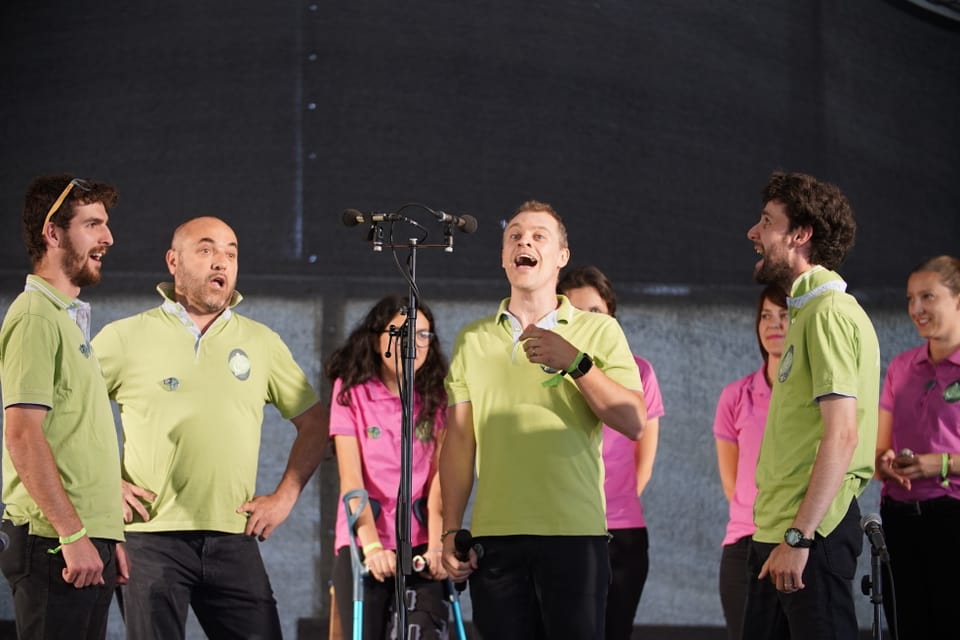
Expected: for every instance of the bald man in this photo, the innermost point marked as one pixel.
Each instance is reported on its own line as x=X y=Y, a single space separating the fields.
x=191 y=378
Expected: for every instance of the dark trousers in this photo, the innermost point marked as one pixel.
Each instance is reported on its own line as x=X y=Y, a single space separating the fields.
x=44 y=605
x=824 y=609
x=629 y=565
x=733 y=584
x=220 y=575
x=541 y=587
x=427 y=610
x=925 y=565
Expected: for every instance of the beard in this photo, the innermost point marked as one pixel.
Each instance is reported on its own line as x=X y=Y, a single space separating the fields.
x=77 y=266
x=777 y=273
x=196 y=290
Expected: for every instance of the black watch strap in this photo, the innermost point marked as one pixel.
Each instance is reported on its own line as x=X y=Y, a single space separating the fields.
x=581 y=366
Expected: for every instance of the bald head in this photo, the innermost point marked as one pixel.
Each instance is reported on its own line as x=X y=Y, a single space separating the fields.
x=203 y=259
x=197 y=229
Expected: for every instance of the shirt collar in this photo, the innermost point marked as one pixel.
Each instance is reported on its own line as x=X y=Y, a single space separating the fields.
x=812 y=283
x=77 y=309
x=922 y=357
x=171 y=306
x=562 y=314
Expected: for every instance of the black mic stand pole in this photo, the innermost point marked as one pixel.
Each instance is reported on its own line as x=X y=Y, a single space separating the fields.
x=872 y=586
x=408 y=350
x=876 y=596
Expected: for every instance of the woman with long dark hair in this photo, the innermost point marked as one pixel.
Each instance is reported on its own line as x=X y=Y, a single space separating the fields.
x=365 y=424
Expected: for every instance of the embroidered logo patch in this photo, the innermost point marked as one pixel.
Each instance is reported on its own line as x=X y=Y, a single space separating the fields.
x=952 y=392
x=239 y=364
x=786 y=364
x=373 y=432
x=170 y=384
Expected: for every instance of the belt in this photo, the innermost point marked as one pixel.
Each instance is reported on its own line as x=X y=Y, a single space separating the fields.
x=920 y=507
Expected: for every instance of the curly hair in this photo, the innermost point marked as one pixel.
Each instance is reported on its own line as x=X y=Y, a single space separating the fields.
x=947 y=267
x=43 y=193
x=590 y=276
x=359 y=358
x=820 y=206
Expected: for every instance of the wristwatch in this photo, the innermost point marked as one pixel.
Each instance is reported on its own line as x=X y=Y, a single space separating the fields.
x=794 y=538
x=583 y=365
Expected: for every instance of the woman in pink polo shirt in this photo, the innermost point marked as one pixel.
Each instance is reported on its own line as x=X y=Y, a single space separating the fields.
x=365 y=424
x=738 y=429
x=918 y=457
x=628 y=466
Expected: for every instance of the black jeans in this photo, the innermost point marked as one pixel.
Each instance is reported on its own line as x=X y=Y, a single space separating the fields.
x=925 y=565
x=629 y=565
x=733 y=581
x=44 y=605
x=220 y=575
x=541 y=587
x=824 y=609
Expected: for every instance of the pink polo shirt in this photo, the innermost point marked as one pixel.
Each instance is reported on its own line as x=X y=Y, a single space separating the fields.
x=374 y=418
x=624 y=510
x=741 y=419
x=924 y=399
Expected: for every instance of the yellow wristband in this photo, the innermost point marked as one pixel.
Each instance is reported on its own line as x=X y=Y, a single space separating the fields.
x=73 y=537
x=371 y=546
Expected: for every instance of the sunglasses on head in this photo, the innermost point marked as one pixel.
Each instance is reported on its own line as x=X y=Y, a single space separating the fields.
x=83 y=185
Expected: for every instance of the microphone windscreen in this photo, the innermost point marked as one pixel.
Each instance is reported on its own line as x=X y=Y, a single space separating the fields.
x=469 y=224
x=352 y=217
x=870 y=518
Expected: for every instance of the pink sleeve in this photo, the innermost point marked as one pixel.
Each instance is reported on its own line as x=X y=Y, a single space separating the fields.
x=343 y=419
x=651 y=388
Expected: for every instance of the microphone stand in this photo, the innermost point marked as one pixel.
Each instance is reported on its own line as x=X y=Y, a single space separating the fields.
x=408 y=351
x=872 y=586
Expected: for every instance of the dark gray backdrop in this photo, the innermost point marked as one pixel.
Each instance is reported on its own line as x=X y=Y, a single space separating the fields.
x=651 y=126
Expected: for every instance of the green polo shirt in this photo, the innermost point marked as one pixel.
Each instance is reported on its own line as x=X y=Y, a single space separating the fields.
x=45 y=360
x=830 y=348
x=539 y=469
x=191 y=407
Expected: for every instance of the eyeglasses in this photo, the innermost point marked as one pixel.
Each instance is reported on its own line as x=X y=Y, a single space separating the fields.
x=423 y=338
x=83 y=185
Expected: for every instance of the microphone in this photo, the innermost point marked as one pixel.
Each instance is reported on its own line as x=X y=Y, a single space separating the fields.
x=353 y=217
x=466 y=223
x=870 y=524
x=462 y=543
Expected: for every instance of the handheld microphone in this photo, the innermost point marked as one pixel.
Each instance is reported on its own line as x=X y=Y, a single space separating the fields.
x=870 y=524
x=465 y=223
x=462 y=543
x=353 y=217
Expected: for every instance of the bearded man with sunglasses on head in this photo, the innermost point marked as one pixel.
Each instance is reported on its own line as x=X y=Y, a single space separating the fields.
x=61 y=466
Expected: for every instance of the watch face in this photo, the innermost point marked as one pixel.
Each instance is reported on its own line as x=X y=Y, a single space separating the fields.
x=794 y=538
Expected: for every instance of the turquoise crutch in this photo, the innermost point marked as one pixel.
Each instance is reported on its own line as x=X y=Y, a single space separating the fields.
x=359 y=569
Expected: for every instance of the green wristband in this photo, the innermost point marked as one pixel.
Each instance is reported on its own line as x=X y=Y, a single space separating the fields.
x=576 y=362
x=944 y=470
x=73 y=537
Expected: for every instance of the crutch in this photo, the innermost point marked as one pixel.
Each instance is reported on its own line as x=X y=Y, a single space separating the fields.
x=359 y=569
x=419 y=564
